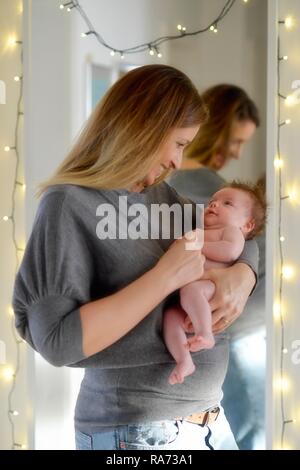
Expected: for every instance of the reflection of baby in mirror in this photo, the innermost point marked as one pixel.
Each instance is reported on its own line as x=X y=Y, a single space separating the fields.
x=235 y=213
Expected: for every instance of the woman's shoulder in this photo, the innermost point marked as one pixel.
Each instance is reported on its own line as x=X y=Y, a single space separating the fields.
x=196 y=184
x=62 y=191
x=197 y=175
x=67 y=201
x=69 y=194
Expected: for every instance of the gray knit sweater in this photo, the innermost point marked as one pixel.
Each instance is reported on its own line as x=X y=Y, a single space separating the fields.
x=66 y=265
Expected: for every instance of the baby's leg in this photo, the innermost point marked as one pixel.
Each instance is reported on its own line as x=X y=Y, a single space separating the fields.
x=176 y=342
x=195 y=301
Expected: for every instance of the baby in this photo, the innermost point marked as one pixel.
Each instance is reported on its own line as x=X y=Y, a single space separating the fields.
x=235 y=213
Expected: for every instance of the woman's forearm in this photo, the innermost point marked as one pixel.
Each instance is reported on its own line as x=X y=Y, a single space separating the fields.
x=106 y=320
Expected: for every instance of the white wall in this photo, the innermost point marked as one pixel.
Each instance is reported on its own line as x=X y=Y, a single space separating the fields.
x=10 y=66
x=47 y=137
x=289 y=148
x=56 y=60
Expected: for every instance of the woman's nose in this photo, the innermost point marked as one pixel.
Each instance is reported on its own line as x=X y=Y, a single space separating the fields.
x=176 y=161
x=238 y=153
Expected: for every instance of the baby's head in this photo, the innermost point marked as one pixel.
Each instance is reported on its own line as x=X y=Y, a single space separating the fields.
x=238 y=204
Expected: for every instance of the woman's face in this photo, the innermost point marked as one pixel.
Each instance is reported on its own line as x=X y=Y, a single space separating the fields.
x=171 y=152
x=240 y=133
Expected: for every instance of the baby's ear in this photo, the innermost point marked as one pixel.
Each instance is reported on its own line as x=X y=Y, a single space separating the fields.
x=249 y=226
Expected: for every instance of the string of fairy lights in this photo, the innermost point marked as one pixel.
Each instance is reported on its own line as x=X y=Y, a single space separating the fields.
x=286 y=271
x=11 y=373
x=153 y=47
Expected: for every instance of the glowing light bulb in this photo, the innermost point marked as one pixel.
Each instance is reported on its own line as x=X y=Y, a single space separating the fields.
x=215 y=30
x=282 y=384
x=285 y=57
x=14 y=412
x=24 y=186
x=290 y=100
x=245 y=1
x=6 y=148
x=122 y=55
x=17 y=78
x=12 y=41
x=289 y=22
x=159 y=55
x=112 y=53
x=293 y=195
x=288 y=121
x=278 y=163
x=285 y=351
x=282 y=239
x=61 y=6
x=83 y=35
x=179 y=27
x=212 y=28
x=8 y=373
x=151 y=51
x=5 y=218
x=23 y=446
x=288 y=272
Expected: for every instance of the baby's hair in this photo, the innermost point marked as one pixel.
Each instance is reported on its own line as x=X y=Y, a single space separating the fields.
x=257 y=193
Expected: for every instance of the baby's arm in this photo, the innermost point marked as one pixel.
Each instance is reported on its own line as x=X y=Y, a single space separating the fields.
x=228 y=249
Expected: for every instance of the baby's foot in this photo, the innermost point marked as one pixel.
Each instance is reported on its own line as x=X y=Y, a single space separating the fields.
x=180 y=371
x=198 y=342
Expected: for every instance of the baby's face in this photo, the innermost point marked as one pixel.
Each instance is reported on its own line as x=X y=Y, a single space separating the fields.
x=228 y=206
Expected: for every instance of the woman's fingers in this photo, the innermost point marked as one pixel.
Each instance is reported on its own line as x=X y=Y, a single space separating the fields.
x=182 y=265
x=220 y=323
x=217 y=315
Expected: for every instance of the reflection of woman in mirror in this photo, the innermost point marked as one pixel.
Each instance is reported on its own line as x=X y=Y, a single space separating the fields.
x=233 y=119
x=82 y=301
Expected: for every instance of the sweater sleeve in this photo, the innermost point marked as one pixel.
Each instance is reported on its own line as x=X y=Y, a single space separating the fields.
x=250 y=255
x=53 y=281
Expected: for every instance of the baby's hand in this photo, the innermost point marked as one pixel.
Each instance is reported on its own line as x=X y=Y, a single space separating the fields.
x=195 y=239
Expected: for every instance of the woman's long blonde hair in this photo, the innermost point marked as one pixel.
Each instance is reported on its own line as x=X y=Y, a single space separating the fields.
x=120 y=142
x=226 y=104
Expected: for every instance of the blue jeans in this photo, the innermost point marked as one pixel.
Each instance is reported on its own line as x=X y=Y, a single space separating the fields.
x=161 y=435
x=244 y=391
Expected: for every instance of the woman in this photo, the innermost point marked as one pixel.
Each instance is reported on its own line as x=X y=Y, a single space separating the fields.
x=233 y=120
x=85 y=297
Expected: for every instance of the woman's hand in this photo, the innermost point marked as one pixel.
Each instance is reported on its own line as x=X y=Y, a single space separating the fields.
x=180 y=264
x=233 y=287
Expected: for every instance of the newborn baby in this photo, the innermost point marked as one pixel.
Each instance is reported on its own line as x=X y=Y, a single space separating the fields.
x=235 y=213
